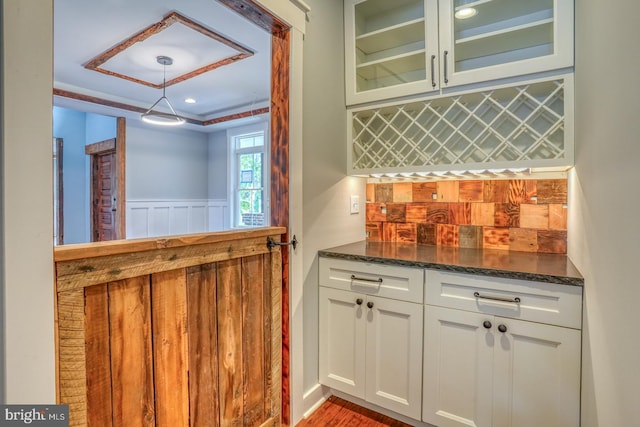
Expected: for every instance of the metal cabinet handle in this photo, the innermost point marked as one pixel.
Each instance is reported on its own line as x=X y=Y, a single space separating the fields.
x=486 y=324
x=446 y=68
x=502 y=328
x=433 y=71
x=515 y=300
x=370 y=304
x=364 y=279
x=359 y=301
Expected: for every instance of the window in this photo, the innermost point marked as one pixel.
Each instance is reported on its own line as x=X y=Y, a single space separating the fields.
x=249 y=166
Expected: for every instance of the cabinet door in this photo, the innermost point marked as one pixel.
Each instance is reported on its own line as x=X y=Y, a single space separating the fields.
x=389 y=46
x=394 y=355
x=504 y=38
x=457 y=368
x=537 y=375
x=342 y=340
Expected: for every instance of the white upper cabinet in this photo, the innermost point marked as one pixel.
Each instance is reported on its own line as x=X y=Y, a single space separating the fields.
x=405 y=47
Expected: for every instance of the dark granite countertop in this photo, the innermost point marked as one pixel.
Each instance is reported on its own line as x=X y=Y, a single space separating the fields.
x=549 y=268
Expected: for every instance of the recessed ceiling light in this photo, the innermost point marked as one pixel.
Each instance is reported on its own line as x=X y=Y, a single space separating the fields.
x=190 y=101
x=466 y=12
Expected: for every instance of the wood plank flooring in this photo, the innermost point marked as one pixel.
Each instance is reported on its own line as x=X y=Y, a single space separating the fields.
x=336 y=412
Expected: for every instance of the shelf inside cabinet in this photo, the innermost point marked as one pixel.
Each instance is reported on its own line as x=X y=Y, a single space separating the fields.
x=394 y=66
x=391 y=37
x=374 y=15
x=512 y=39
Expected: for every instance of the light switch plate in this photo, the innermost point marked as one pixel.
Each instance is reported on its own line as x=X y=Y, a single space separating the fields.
x=355 y=204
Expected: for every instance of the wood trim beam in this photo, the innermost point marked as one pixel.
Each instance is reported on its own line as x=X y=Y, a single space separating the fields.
x=170 y=19
x=236 y=116
x=257 y=14
x=100 y=147
x=107 y=103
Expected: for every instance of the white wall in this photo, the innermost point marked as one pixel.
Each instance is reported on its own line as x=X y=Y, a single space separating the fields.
x=27 y=240
x=604 y=207
x=326 y=188
x=166 y=164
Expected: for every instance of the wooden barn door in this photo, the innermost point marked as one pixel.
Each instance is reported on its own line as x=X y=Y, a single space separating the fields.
x=103 y=190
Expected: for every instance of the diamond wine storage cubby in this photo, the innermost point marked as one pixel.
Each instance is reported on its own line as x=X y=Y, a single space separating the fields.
x=523 y=126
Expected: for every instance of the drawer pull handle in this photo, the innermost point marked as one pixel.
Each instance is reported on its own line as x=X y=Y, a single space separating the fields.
x=359 y=301
x=502 y=328
x=370 y=304
x=515 y=300
x=364 y=279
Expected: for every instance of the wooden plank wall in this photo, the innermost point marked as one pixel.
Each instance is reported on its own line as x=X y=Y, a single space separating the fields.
x=193 y=346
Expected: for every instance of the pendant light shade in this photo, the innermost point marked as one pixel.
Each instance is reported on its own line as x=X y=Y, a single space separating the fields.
x=152 y=115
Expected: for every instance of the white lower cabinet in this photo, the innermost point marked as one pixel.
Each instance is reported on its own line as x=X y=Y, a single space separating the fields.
x=483 y=369
x=371 y=348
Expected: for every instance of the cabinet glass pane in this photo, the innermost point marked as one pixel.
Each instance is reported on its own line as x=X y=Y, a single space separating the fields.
x=390 y=43
x=491 y=32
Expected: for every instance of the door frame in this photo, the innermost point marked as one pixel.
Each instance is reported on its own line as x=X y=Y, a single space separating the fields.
x=117 y=144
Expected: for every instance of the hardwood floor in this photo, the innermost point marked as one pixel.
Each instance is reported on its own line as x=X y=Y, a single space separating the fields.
x=336 y=412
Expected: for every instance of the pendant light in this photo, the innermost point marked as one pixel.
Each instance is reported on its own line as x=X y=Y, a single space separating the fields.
x=158 y=117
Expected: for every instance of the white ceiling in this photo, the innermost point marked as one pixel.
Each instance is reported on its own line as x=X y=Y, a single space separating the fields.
x=84 y=29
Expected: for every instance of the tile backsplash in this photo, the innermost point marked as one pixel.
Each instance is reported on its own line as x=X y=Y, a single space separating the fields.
x=519 y=215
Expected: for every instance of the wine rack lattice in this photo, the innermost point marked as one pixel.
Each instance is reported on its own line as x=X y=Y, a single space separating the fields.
x=517 y=126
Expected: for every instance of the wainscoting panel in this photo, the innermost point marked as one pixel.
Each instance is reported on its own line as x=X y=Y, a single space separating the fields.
x=153 y=218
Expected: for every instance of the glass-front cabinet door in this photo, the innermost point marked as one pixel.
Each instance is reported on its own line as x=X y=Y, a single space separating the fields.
x=391 y=48
x=395 y=48
x=483 y=40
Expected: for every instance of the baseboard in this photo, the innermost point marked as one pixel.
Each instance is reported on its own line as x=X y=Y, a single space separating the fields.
x=314 y=398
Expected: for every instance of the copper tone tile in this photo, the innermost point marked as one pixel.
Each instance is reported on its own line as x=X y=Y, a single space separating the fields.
x=389 y=231
x=371 y=193
x=437 y=213
x=423 y=191
x=482 y=214
x=496 y=191
x=396 y=212
x=552 y=241
x=557 y=217
x=523 y=239
x=416 y=212
x=376 y=212
x=495 y=238
x=384 y=193
x=374 y=231
x=534 y=216
x=427 y=234
x=471 y=191
x=507 y=215
x=517 y=191
x=460 y=213
x=552 y=191
x=448 y=191
x=470 y=236
x=402 y=192
x=447 y=235
x=531 y=189
x=406 y=233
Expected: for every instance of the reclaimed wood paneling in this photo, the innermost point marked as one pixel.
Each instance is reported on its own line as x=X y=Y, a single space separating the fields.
x=202 y=326
x=98 y=354
x=230 y=342
x=131 y=352
x=438 y=213
x=198 y=345
x=534 y=216
x=448 y=191
x=416 y=212
x=71 y=348
x=423 y=191
x=376 y=212
x=552 y=191
x=254 y=357
x=384 y=193
x=396 y=212
x=471 y=191
x=406 y=233
x=170 y=347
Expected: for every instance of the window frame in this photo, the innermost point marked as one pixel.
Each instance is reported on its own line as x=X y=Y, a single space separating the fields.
x=233 y=135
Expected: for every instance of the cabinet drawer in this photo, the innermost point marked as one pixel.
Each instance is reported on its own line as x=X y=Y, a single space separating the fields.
x=388 y=281
x=519 y=299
